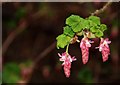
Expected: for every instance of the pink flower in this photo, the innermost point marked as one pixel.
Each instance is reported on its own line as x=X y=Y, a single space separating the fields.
x=66 y=58
x=104 y=48
x=85 y=45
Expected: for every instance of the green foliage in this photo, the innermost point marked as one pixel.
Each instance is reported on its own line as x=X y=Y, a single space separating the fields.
x=95 y=19
x=28 y=63
x=76 y=25
x=62 y=40
x=11 y=24
x=93 y=29
x=98 y=30
x=91 y=23
x=85 y=76
x=85 y=24
x=11 y=73
x=20 y=12
x=99 y=33
x=75 y=22
x=103 y=27
x=68 y=31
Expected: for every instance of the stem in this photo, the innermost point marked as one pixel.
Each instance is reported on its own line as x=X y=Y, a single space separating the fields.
x=103 y=8
x=84 y=34
x=23 y=25
x=67 y=48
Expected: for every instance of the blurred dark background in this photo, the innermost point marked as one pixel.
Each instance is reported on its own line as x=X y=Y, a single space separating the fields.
x=29 y=32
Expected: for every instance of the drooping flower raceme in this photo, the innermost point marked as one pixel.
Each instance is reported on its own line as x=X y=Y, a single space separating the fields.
x=85 y=45
x=67 y=59
x=104 y=48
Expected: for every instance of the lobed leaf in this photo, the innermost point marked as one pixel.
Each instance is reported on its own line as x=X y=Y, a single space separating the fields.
x=93 y=29
x=103 y=27
x=68 y=31
x=95 y=19
x=74 y=22
x=91 y=23
x=62 y=40
x=99 y=33
x=85 y=24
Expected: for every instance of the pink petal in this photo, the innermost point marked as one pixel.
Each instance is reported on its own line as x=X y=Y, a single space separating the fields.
x=59 y=55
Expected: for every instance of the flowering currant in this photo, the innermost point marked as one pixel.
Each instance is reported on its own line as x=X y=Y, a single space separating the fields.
x=85 y=45
x=66 y=58
x=104 y=48
x=90 y=27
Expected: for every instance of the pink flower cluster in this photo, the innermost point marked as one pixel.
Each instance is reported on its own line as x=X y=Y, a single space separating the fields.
x=85 y=45
x=66 y=58
x=104 y=48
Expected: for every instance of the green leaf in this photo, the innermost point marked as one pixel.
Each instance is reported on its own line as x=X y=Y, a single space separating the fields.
x=103 y=27
x=11 y=73
x=92 y=24
x=74 y=22
x=11 y=24
x=85 y=24
x=20 y=12
x=85 y=75
x=68 y=31
x=95 y=19
x=62 y=41
x=28 y=63
x=93 y=29
x=99 y=33
x=73 y=19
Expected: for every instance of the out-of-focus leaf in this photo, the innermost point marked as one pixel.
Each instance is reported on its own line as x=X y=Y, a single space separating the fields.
x=85 y=76
x=11 y=24
x=28 y=63
x=11 y=73
x=20 y=12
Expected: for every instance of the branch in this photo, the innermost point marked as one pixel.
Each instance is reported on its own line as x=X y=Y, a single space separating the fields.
x=40 y=57
x=45 y=53
x=12 y=36
x=17 y=31
x=103 y=8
